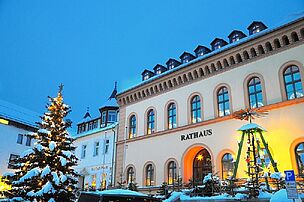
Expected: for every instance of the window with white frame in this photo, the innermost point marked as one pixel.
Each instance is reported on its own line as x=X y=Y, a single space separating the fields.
x=107 y=145
x=28 y=140
x=223 y=101
x=96 y=148
x=83 y=151
x=111 y=116
x=292 y=81
x=20 y=138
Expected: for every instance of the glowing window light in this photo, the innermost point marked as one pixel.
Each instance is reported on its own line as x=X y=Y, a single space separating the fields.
x=4 y=121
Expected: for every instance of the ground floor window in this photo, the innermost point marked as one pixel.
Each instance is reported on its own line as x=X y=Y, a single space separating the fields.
x=149 y=175
x=130 y=175
x=227 y=165
x=299 y=151
x=201 y=166
x=172 y=175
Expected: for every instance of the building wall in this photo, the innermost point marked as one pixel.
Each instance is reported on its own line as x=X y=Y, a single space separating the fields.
x=9 y=145
x=267 y=67
x=283 y=122
x=96 y=165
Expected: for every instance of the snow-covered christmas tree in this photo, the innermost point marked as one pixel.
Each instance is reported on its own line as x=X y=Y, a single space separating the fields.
x=45 y=173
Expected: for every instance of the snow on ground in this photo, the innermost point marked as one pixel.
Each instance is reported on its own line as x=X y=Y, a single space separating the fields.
x=264 y=195
x=276 y=175
x=173 y=197
x=281 y=196
x=120 y=191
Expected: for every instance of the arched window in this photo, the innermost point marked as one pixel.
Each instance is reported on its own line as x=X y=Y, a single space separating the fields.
x=223 y=101
x=130 y=175
x=172 y=174
x=292 y=81
x=151 y=122
x=196 y=115
x=227 y=166
x=149 y=175
x=255 y=92
x=132 y=126
x=172 y=116
x=299 y=152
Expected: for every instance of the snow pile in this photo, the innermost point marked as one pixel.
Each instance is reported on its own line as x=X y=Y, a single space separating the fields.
x=52 y=145
x=207 y=178
x=281 y=196
x=63 y=161
x=174 y=196
x=224 y=196
x=26 y=153
x=45 y=171
x=264 y=195
x=68 y=154
x=55 y=178
x=120 y=192
x=30 y=174
x=276 y=175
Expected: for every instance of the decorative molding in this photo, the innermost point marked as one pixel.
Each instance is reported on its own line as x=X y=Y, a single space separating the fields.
x=270 y=43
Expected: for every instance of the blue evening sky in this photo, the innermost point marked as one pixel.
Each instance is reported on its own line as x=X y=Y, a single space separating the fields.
x=88 y=45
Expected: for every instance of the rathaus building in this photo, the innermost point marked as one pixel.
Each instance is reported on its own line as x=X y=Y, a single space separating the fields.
x=179 y=121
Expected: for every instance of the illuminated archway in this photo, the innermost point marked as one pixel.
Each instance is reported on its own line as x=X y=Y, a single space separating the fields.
x=188 y=159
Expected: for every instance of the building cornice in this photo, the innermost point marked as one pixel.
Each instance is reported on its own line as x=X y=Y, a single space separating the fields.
x=264 y=44
x=212 y=121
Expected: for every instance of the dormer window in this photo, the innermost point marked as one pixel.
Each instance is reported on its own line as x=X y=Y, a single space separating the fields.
x=172 y=63
x=147 y=74
x=201 y=50
x=218 y=43
x=236 y=35
x=235 y=38
x=103 y=118
x=186 y=57
x=111 y=116
x=256 y=27
x=158 y=69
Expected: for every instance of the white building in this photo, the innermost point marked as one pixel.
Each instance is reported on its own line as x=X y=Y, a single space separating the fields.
x=95 y=142
x=178 y=121
x=15 y=125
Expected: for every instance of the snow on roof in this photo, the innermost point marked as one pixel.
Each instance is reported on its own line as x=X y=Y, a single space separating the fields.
x=96 y=130
x=18 y=114
x=222 y=49
x=118 y=192
x=251 y=126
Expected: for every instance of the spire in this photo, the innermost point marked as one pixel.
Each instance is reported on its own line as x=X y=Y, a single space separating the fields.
x=114 y=92
x=87 y=114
